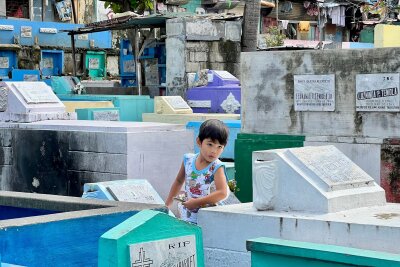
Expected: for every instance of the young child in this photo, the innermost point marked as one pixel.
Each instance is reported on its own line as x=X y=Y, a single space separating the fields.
x=202 y=171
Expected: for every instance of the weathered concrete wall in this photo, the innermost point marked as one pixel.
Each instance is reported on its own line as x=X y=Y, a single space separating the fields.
x=86 y=11
x=268 y=90
x=194 y=44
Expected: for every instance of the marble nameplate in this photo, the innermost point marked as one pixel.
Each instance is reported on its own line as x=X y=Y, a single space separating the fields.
x=171 y=105
x=36 y=93
x=179 y=251
x=139 y=193
x=106 y=115
x=332 y=167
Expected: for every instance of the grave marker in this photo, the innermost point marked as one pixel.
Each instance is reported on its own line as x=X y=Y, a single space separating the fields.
x=152 y=238
x=29 y=102
x=178 y=251
x=311 y=179
x=378 y=92
x=314 y=92
x=132 y=190
x=106 y=115
x=171 y=105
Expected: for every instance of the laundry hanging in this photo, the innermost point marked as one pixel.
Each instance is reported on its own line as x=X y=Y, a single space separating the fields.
x=304 y=26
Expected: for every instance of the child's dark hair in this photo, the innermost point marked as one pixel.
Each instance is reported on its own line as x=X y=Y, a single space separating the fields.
x=215 y=130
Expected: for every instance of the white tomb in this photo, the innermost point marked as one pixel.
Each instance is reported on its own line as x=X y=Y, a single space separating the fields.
x=310 y=194
x=327 y=180
x=29 y=102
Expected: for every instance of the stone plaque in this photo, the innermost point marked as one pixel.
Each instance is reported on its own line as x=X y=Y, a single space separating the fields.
x=139 y=193
x=225 y=75
x=36 y=93
x=199 y=103
x=47 y=63
x=378 y=92
x=106 y=115
x=48 y=30
x=6 y=27
x=177 y=102
x=26 y=31
x=31 y=78
x=174 y=252
x=331 y=166
x=94 y=63
x=314 y=92
x=129 y=65
x=84 y=37
x=4 y=62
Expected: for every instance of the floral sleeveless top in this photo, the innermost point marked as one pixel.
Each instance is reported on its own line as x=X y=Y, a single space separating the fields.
x=198 y=183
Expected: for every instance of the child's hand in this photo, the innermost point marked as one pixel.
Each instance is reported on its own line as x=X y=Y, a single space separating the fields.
x=191 y=204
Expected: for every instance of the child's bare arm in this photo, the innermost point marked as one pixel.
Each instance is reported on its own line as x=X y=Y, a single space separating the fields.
x=219 y=194
x=176 y=186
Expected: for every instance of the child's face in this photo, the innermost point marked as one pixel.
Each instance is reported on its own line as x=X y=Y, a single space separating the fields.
x=209 y=149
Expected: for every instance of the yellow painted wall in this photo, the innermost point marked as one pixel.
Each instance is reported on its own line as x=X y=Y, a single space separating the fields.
x=70 y=106
x=387 y=36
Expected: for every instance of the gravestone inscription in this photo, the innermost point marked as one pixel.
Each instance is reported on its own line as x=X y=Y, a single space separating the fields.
x=314 y=92
x=177 y=102
x=36 y=93
x=333 y=168
x=178 y=251
x=139 y=193
x=378 y=92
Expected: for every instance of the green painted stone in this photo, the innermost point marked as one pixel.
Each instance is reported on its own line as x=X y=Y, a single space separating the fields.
x=270 y=252
x=172 y=241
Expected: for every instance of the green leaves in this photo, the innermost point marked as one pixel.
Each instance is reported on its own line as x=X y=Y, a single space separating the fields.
x=138 y=6
x=117 y=8
x=274 y=37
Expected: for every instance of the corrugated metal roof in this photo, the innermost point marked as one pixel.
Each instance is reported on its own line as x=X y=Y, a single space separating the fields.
x=150 y=21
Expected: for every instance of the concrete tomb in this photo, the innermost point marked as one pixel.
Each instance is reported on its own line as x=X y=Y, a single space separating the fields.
x=173 y=109
x=59 y=157
x=310 y=194
x=29 y=102
x=152 y=238
x=329 y=180
x=48 y=230
x=221 y=94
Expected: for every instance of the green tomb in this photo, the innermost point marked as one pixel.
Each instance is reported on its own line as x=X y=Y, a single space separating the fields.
x=273 y=252
x=152 y=238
